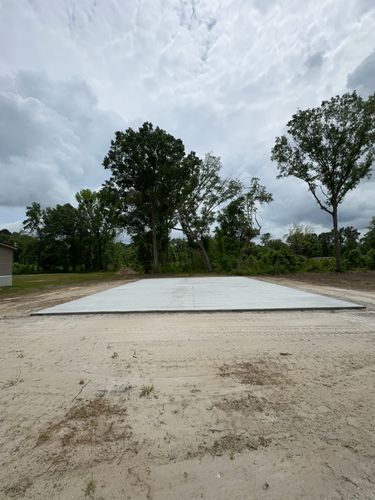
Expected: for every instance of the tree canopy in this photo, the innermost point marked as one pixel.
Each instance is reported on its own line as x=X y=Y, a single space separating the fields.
x=331 y=148
x=149 y=173
x=67 y=237
x=206 y=191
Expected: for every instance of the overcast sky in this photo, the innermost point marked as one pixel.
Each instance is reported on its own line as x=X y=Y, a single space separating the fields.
x=223 y=75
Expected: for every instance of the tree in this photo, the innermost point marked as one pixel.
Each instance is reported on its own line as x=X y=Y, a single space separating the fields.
x=303 y=241
x=204 y=194
x=33 y=224
x=368 y=240
x=63 y=245
x=368 y=245
x=349 y=239
x=265 y=239
x=331 y=148
x=34 y=219
x=238 y=224
x=98 y=222
x=149 y=174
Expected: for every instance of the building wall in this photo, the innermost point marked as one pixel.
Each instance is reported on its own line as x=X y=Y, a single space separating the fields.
x=6 y=280
x=6 y=265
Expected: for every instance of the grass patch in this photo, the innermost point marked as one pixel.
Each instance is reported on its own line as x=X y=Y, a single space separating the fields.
x=26 y=283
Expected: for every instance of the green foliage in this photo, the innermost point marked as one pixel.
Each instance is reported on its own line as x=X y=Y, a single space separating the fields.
x=354 y=259
x=23 y=268
x=154 y=187
x=370 y=259
x=149 y=175
x=205 y=193
x=97 y=218
x=302 y=241
x=318 y=265
x=238 y=224
x=368 y=240
x=331 y=148
x=64 y=238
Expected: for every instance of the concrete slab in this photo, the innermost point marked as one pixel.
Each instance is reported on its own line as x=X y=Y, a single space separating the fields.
x=198 y=294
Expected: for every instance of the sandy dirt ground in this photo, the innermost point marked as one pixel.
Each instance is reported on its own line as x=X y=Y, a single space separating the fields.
x=184 y=406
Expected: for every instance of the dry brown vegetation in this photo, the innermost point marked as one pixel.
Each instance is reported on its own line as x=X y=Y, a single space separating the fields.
x=91 y=422
x=256 y=372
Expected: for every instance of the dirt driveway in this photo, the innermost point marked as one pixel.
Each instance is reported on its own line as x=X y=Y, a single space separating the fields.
x=184 y=406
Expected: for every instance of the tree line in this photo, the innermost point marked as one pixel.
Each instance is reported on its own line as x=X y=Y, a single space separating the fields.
x=300 y=250
x=156 y=189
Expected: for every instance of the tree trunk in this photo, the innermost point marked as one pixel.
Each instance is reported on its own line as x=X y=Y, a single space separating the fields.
x=337 y=240
x=155 y=256
x=239 y=260
x=205 y=256
x=163 y=244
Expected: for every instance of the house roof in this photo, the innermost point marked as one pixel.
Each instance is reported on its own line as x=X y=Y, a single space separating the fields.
x=7 y=246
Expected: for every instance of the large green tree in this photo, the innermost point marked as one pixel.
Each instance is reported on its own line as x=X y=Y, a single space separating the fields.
x=98 y=221
x=331 y=148
x=149 y=174
x=205 y=192
x=33 y=224
x=238 y=223
x=62 y=241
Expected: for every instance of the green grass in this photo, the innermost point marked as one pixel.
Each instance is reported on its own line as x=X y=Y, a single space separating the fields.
x=25 y=283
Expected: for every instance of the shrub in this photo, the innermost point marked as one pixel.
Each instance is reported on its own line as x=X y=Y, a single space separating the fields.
x=23 y=268
x=319 y=265
x=370 y=258
x=354 y=259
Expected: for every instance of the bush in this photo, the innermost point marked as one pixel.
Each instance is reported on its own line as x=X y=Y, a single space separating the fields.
x=370 y=258
x=279 y=262
x=354 y=259
x=319 y=265
x=23 y=268
x=266 y=260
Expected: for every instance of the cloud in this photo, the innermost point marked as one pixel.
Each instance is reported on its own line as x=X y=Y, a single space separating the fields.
x=52 y=139
x=363 y=77
x=315 y=60
x=223 y=75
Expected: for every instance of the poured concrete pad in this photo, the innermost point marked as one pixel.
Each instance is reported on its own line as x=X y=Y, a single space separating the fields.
x=198 y=294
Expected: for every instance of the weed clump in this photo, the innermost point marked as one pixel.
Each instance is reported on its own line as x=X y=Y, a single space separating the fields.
x=146 y=390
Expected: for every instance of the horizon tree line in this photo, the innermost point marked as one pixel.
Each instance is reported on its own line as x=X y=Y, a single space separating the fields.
x=155 y=187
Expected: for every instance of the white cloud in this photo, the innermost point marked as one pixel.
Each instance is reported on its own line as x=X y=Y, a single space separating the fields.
x=225 y=76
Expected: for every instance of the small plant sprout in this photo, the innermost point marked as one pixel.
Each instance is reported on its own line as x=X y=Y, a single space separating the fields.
x=146 y=390
x=90 y=488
